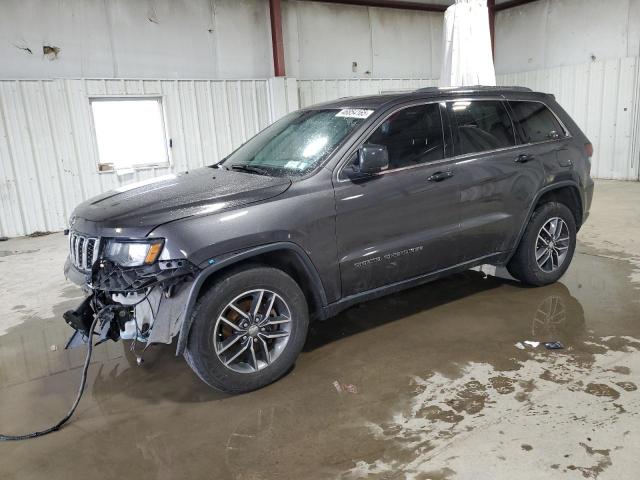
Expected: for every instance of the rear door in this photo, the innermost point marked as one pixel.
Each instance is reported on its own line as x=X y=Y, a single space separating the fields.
x=498 y=179
x=402 y=222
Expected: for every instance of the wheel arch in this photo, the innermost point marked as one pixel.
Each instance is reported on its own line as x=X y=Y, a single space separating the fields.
x=286 y=256
x=566 y=192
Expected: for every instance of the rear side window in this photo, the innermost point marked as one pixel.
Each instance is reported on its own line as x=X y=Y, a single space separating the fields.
x=483 y=125
x=535 y=122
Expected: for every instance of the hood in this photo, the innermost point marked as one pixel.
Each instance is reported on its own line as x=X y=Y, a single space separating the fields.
x=144 y=205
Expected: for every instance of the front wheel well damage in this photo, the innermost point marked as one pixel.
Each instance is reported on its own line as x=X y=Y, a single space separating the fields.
x=283 y=259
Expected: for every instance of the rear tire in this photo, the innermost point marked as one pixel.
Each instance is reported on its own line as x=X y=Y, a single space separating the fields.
x=546 y=247
x=226 y=321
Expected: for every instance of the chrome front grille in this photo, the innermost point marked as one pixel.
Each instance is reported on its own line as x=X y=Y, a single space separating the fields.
x=83 y=250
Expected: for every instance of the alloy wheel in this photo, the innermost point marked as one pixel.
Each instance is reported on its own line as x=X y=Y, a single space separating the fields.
x=552 y=244
x=252 y=331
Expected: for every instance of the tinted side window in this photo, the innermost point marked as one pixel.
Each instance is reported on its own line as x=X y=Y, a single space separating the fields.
x=412 y=136
x=482 y=125
x=535 y=122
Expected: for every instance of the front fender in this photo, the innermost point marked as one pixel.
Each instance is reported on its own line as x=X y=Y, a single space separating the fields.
x=235 y=258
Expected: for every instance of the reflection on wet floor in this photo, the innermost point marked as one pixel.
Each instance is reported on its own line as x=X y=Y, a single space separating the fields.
x=409 y=385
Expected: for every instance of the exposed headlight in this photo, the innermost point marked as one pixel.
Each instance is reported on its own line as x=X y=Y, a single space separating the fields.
x=133 y=253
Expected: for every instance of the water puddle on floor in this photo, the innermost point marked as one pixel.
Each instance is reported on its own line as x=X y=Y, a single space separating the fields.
x=427 y=383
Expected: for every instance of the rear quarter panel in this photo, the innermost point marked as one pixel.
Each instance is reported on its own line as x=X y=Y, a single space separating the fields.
x=575 y=150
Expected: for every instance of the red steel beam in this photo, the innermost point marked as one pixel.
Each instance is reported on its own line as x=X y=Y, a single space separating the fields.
x=275 y=13
x=402 y=5
x=512 y=3
x=426 y=7
x=491 y=7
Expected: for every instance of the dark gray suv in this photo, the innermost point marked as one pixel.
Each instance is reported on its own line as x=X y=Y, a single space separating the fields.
x=329 y=206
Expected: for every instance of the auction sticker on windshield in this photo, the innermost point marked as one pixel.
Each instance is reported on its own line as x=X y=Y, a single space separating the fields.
x=354 y=113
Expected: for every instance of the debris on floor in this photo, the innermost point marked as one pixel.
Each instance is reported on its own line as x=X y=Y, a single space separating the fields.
x=527 y=343
x=351 y=388
x=534 y=344
x=38 y=233
x=345 y=387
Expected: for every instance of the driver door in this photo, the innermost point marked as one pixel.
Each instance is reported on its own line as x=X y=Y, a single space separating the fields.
x=402 y=222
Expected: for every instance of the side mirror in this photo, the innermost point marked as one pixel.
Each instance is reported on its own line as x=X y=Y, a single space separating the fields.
x=372 y=159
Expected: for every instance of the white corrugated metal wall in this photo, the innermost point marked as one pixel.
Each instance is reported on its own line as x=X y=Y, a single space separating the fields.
x=48 y=155
x=603 y=98
x=316 y=91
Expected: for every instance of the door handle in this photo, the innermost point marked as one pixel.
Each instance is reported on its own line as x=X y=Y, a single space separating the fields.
x=524 y=158
x=439 y=176
x=568 y=163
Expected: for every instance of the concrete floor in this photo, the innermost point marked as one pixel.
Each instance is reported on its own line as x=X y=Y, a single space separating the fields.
x=426 y=384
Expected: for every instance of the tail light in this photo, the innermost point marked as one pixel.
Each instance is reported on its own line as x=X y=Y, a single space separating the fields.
x=588 y=148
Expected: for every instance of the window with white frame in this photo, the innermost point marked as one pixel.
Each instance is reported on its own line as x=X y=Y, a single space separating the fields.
x=130 y=132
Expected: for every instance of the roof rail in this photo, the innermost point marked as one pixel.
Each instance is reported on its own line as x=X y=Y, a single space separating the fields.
x=474 y=88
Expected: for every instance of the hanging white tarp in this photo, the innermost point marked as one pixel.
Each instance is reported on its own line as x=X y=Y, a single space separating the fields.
x=467 y=58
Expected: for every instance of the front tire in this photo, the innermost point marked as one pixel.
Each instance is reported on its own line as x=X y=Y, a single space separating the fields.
x=248 y=330
x=547 y=246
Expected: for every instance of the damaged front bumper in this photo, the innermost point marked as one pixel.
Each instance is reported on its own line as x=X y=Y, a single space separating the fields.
x=145 y=304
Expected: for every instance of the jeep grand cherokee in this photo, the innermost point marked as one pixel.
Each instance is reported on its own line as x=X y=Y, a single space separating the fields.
x=330 y=206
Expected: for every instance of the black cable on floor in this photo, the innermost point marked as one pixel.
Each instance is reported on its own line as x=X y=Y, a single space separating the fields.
x=65 y=419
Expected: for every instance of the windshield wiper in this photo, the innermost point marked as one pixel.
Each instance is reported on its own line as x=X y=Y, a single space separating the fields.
x=249 y=169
